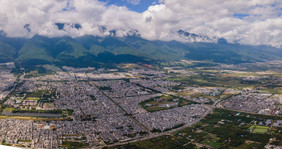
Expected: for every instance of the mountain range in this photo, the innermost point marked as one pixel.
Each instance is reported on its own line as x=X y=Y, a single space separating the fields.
x=104 y=51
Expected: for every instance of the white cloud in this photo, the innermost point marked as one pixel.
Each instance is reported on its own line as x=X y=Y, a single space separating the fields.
x=261 y=24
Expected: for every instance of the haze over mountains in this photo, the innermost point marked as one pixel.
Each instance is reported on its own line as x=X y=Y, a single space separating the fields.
x=104 y=51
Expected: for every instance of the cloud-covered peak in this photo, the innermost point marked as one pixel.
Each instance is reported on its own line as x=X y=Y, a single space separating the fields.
x=253 y=22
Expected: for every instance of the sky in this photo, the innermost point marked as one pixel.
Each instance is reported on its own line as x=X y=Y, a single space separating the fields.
x=133 y=5
x=252 y=22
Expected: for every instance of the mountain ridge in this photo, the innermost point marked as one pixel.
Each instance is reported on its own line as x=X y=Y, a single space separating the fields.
x=102 y=51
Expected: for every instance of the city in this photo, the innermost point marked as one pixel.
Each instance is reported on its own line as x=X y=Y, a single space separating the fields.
x=100 y=108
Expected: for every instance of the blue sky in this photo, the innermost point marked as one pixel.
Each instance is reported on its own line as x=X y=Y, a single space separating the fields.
x=240 y=15
x=134 y=5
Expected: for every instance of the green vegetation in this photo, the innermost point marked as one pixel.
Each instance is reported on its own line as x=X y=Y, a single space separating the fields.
x=197 y=95
x=24 y=141
x=32 y=98
x=67 y=112
x=13 y=110
x=109 y=51
x=6 y=144
x=37 y=72
x=273 y=90
x=230 y=53
x=183 y=102
x=234 y=80
x=164 y=102
x=163 y=142
x=37 y=111
x=74 y=145
x=38 y=95
x=260 y=129
x=105 y=88
x=208 y=80
x=35 y=94
x=92 y=97
x=7 y=52
x=35 y=118
x=252 y=127
x=221 y=129
x=35 y=50
x=174 y=127
x=9 y=109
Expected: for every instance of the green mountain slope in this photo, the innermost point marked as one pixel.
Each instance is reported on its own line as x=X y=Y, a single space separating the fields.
x=7 y=53
x=35 y=51
x=232 y=53
x=106 y=51
x=68 y=52
x=156 y=49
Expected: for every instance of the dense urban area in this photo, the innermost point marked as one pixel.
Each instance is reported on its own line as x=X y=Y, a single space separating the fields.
x=185 y=104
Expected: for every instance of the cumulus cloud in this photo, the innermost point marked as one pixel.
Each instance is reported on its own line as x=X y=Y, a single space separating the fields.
x=253 y=22
x=262 y=23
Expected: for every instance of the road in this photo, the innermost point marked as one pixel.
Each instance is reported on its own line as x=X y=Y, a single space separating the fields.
x=134 y=119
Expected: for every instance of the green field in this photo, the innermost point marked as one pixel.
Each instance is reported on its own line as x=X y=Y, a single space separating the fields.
x=74 y=145
x=261 y=129
x=158 y=103
x=235 y=80
x=252 y=127
x=197 y=95
x=210 y=80
x=274 y=89
x=24 y=140
x=33 y=98
x=9 y=109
